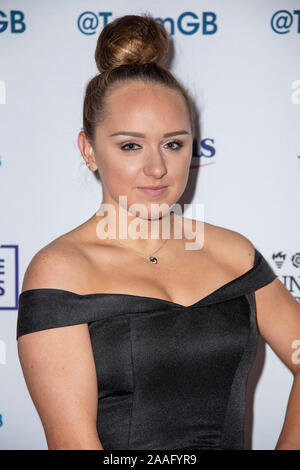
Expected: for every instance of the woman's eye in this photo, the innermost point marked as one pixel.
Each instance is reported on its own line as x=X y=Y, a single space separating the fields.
x=179 y=145
x=130 y=145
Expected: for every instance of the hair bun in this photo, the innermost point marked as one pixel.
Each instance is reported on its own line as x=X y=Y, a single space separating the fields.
x=131 y=39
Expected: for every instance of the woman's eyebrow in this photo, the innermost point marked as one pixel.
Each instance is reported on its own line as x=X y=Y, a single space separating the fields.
x=138 y=134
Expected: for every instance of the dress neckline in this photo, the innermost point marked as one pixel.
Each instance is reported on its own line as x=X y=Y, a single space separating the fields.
x=257 y=261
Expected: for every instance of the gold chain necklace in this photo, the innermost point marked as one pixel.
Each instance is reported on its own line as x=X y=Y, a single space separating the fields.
x=151 y=258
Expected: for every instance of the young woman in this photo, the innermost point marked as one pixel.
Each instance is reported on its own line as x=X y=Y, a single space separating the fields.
x=143 y=343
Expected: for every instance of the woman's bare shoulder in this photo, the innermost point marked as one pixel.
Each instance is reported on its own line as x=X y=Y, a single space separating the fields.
x=56 y=265
x=230 y=246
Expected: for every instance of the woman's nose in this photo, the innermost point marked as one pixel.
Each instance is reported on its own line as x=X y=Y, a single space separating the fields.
x=155 y=165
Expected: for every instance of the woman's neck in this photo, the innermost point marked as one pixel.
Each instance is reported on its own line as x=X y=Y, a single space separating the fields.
x=136 y=232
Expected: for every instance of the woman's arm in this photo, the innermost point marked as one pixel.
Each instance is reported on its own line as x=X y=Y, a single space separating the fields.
x=60 y=374
x=289 y=438
x=278 y=321
x=58 y=363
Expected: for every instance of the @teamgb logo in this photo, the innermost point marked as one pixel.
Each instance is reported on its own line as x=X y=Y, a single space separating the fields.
x=88 y=21
x=186 y=23
x=282 y=21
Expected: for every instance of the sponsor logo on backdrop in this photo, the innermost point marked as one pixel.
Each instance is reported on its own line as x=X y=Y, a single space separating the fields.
x=284 y=21
x=296 y=260
x=207 y=152
x=187 y=23
x=12 y=21
x=279 y=258
x=290 y=281
x=9 y=276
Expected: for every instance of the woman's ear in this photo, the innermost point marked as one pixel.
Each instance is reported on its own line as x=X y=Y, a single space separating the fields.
x=86 y=151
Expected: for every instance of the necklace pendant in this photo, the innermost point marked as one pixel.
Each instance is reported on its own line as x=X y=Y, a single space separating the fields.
x=153 y=259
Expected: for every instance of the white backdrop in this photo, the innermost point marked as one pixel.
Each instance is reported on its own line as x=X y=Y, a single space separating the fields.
x=240 y=61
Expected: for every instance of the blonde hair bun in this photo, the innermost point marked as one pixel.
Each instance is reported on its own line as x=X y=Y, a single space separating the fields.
x=131 y=39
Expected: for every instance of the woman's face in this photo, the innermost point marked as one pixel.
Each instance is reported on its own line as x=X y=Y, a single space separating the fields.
x=145 y=140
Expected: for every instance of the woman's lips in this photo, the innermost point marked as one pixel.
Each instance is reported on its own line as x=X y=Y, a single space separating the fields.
x=152 y=191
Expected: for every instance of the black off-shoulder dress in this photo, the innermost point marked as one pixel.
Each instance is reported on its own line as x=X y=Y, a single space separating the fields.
x=169 y=376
